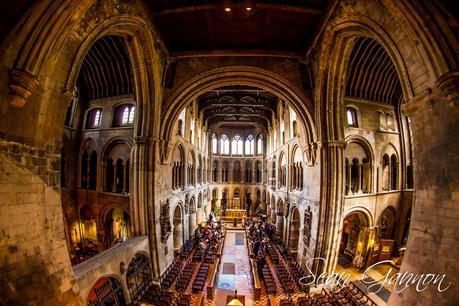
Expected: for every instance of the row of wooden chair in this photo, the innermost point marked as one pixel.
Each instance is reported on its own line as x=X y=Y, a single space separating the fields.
x=156 y=296
x=346 y=296
x=171 y=274
x=184 y=300
x=284 y=278
x=268 y=279
x=185 y=276
x=200 y=279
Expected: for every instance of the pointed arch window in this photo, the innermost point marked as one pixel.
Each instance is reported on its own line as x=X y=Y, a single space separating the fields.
x=214 y=144
x=260 y=145
x=236 y=146
x=224 y=141
x=249 y=145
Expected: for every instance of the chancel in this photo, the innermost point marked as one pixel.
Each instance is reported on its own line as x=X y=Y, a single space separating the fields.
x=229 y=152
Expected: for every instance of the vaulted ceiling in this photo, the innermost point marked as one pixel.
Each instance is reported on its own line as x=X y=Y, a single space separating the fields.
x=270 y=25
x=241 y=105
x=372 y=75
x=106 y=70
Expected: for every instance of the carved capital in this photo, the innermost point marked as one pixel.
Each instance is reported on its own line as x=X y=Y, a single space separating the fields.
x=449 y=85
x=22 y=85
x=140 y=140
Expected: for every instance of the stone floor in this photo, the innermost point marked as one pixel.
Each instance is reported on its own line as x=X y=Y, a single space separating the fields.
x=235 y=254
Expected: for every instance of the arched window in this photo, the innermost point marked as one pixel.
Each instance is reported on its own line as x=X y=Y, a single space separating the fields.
x=351 y=117
x=260 y=145
x=236 y=146
x=214 y=144
x=93 y=118
x=249 y=145
x=124 y=115
x=224 y=145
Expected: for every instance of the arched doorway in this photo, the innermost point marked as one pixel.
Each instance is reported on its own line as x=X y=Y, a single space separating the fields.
x=178 y=227
x=294 y=232
x=353 y=240
x=386 y=233
x=106 y=291
x=117 y=226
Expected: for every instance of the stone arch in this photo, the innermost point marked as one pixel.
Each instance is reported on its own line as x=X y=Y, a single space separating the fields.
x=236 y=75
x=49 y=50
x=354 y=235
x=178 y=226
x=333 y=60
x=280 y=211
x=117 y=279
x=363 y=211
x=113 y=142
x=359 y=160
x=138 y=275
x=121 y=223
x=294 y=230
x=362 y=141
x=387 y=223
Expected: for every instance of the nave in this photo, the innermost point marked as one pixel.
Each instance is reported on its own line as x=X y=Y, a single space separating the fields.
x=247 y=264
x=125 y=123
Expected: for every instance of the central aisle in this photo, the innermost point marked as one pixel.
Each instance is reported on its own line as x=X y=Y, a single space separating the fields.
x=234 y=271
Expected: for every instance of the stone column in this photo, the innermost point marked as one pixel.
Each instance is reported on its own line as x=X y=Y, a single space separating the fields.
x=433 y=245
x=124 y=177
x=349 y=178
x=331 y=205
x=359 y=178
x=115 y=174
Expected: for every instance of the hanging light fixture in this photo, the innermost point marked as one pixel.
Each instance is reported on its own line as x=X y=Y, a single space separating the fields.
x=235 y=301
x=248 y=4
x=227 y=5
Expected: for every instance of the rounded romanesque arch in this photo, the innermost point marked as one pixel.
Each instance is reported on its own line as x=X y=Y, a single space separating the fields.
x=178 y=226
x=294 y=231
x=236 y=75
x=333 y=60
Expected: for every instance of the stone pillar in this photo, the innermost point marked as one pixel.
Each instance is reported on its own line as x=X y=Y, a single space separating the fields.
x=124 y=177
x=331 y=205
x=359 y=178
x=115 y=176
x=348 y=178
x=280 y=223
x=433 y=244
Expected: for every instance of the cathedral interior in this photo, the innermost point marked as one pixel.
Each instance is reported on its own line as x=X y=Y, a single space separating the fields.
x=229 y=152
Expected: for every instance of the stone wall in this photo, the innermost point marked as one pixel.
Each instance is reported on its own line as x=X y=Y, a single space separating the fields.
x=113 y=262
x=34 y=260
